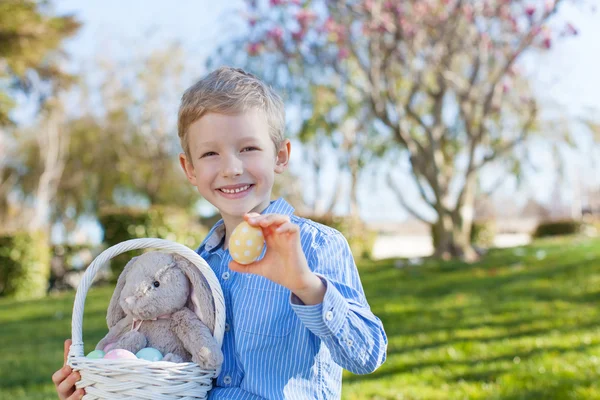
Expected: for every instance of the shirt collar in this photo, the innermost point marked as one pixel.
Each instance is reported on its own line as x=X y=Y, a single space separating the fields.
x=216 y=234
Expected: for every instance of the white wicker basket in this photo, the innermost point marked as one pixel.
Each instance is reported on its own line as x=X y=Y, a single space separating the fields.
x=140 y=379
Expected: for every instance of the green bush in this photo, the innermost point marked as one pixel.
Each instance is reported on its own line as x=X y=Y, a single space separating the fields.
x=24 y=265
x=483 y=233
x=556 y=228
x=360 y=239
x=163 y=222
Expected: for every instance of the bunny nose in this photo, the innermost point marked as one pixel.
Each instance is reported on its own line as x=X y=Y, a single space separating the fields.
x=130 y=300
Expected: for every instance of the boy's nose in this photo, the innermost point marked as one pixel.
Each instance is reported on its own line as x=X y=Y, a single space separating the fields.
x=233 y=167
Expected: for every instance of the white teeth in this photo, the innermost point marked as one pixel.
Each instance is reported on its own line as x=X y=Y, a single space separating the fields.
x=231 y=191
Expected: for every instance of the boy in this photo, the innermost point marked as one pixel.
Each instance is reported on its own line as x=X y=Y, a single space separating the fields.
x=298 y=315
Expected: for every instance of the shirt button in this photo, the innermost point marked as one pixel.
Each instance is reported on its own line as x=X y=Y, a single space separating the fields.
x=225 y=275
x=349 y=342
x=227 y=379
x=227 y=327
x=328 y=315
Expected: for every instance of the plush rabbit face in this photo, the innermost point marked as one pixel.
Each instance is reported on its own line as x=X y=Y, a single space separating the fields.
x=155 y=287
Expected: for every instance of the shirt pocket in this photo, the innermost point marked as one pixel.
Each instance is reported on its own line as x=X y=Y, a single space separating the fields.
x=264 y=308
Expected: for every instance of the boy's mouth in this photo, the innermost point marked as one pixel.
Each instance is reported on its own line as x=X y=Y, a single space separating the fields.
x=233 y=190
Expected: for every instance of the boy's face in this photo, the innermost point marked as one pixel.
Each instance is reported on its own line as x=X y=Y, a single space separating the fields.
x=234 y=162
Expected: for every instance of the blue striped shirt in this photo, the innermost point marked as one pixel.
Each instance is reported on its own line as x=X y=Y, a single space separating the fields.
x=276 y=347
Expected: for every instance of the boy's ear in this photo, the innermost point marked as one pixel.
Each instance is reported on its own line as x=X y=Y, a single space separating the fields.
x=283 y=156
x=188 y=168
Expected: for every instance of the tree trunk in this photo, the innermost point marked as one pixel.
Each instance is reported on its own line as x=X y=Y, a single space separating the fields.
x=452 y=231
x=452 y=241
x=53 y=144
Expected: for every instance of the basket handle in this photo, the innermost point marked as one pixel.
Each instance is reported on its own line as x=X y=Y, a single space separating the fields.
x=76 y=349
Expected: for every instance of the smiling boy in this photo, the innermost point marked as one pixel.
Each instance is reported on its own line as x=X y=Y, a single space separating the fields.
x=297 y=316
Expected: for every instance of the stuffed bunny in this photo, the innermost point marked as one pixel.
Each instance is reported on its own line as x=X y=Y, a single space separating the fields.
x=163 y=301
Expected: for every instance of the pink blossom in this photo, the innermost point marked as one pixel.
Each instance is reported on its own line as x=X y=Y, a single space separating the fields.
x=530 y=10
x=343 y=53
x=571 y=30
x=506 y=86
x=549 y=6
x=298 y=35
x=296 y=2
x=547 y=42
x=275 y=33
x=254 y=48
x=468 y=12
x=276 y=2
x=330 y=25
x=304 y=17
x=252 y=21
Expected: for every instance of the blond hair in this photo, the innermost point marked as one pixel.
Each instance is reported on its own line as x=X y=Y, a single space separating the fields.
x=229 y=90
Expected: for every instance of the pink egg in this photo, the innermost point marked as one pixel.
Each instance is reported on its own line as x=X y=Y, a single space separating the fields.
x=119 y=353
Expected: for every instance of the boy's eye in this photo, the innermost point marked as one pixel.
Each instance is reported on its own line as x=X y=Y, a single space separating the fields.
x=208 y=154
x=250 y=148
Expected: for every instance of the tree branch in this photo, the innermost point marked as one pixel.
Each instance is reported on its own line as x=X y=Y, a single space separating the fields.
x=398 y=192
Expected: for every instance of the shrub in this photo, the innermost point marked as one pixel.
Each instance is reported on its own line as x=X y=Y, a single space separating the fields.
x=360 y=239
x=556 y=228
x=162 y=222
x=24 y=265
x=483 y=233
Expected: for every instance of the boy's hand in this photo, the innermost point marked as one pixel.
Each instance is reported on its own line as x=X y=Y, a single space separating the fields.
x=284 y=261
x=64 y=379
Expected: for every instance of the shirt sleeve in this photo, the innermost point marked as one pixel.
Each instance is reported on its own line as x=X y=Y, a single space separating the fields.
x=343 y=321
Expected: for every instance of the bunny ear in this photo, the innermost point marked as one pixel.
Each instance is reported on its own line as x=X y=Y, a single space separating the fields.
x=201 y=299
x=115 y=312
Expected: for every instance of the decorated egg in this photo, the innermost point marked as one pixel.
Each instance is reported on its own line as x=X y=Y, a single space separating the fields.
x=246 y=243
x=119 y=354
x=96 y=354
x=149 y=354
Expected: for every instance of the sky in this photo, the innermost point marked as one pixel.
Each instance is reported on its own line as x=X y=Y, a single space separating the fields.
x=567 y=77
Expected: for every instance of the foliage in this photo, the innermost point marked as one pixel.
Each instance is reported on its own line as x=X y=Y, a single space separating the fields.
x=24 y=265
x=164 y=222
x=513 y=326
x=556 y=228
x=483 y=233
x=30 y=49
x=360 y=239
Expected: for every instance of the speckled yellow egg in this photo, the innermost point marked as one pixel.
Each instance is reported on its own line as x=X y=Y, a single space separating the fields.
x=246 y=243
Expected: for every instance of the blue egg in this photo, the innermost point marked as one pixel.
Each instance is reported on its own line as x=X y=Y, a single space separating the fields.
x=95 y=354
x=149 y=354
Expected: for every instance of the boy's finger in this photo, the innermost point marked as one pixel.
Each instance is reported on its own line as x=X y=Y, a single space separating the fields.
x=61 y=374
x=67 y=347
x=78 y=394
x=273 y=219
x=67 y=386
x=288 y=227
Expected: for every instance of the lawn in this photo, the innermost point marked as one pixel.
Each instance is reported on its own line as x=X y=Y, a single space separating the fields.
x=521 y=324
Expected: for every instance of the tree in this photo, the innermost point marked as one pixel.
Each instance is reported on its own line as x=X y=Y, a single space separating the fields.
x=124 y=150
x=441 y=76
x=31 y=63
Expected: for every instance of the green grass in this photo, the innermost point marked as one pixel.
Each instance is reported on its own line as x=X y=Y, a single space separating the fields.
x=521 y=324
